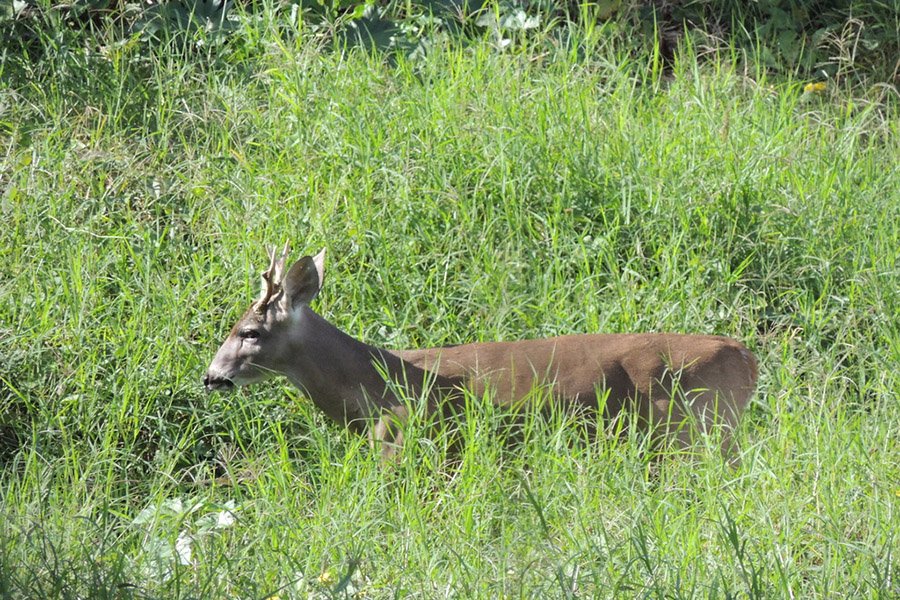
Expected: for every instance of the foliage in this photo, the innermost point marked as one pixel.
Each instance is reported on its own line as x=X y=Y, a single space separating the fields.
x=557 y=186
x=826 y=39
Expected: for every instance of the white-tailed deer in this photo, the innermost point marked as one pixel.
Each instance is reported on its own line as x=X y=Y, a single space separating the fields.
x=673 y=384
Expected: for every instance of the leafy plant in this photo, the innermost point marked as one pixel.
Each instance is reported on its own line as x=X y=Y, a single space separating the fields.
x=818 y=38
x=172 y=529
x=189 y=17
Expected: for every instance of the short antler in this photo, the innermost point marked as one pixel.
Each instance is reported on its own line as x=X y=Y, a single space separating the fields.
x=279 y=266
x=272 y=276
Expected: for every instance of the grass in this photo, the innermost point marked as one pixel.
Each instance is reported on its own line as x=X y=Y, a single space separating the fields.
x=475 y=196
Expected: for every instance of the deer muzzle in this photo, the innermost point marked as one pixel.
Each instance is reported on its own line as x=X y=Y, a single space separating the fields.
x=215 y=383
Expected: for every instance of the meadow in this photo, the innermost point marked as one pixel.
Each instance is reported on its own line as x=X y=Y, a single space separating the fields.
x=476 y=194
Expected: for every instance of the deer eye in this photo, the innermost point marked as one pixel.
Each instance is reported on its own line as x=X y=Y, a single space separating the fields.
x=249 y=334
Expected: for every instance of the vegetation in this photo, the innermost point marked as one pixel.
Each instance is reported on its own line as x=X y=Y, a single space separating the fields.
x=823 y=39
x=551 y=185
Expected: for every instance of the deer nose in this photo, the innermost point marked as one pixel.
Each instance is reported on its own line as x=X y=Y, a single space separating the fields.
x=212 y=383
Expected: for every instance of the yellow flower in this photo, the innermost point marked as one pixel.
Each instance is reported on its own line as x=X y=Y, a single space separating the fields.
x=326 y=578
x=818 y=86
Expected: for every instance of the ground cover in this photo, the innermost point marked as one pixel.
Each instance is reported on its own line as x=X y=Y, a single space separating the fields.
x=474 y=195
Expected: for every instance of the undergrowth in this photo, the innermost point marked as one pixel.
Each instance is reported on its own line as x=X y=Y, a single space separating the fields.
x=475 y=195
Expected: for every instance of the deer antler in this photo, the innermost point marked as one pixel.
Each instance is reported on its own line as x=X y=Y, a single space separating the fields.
x=272 y=276
x=279 y=265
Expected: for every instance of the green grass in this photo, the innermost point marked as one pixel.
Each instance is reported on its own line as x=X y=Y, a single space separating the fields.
x=475 y=196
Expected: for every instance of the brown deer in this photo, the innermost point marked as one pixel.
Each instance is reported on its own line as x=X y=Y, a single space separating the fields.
x=674 y=384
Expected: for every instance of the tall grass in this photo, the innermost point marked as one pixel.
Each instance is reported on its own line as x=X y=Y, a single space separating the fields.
x=476 y=195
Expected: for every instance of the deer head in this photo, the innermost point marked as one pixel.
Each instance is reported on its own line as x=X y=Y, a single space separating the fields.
x=258 y=343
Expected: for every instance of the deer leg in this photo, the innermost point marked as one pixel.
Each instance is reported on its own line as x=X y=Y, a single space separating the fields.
x=701 y=413
x=386 y=434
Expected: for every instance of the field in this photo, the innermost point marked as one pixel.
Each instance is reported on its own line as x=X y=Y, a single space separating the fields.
x=475 y=195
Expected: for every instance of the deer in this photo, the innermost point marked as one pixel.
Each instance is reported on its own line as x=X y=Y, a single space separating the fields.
x=673 y=385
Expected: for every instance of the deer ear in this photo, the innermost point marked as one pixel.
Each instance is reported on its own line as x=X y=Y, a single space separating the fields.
x=304 y=279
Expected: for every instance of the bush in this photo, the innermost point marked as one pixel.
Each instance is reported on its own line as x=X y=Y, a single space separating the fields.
x=837 y=39
x=825 y=38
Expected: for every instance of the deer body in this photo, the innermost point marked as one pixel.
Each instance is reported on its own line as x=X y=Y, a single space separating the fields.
x=579 y=368
x=665 y=380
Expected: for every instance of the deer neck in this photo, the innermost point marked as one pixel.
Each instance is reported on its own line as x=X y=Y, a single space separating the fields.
x=343 y=376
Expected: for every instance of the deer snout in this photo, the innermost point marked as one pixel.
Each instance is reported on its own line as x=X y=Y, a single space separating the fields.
x=213 y=382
